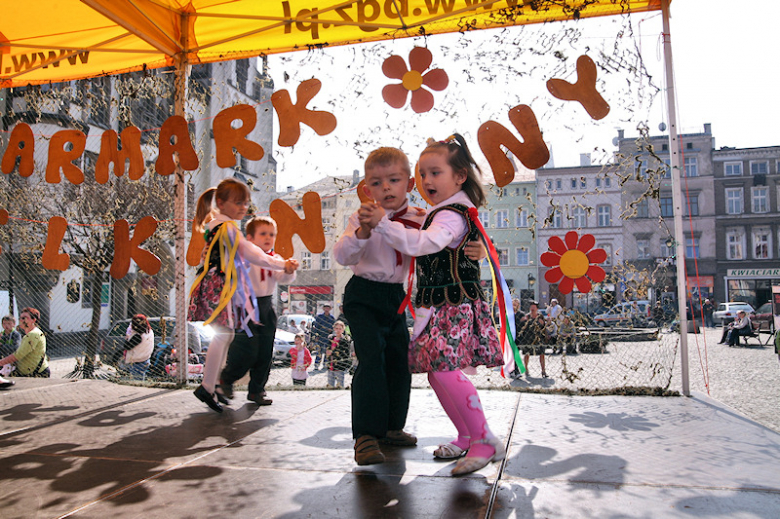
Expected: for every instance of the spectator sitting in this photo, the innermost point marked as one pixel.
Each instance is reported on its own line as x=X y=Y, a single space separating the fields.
x=139 y=345
x=10 y=339
x=742 y=326
x=30 y=357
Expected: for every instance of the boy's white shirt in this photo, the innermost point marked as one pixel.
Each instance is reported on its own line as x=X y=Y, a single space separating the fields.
x=373 y=258
x=264 y=285
x=447 y=230
x=248 y=250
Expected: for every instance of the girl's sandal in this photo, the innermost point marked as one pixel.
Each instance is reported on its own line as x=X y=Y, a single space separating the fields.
x=472 y=464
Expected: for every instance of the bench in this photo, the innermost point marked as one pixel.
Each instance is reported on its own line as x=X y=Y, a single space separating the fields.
x=757 y=330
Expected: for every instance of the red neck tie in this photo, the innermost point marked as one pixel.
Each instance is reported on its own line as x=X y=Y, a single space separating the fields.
x=409 y=224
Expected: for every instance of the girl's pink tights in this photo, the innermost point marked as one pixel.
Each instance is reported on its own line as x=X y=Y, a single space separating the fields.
x=460 y=401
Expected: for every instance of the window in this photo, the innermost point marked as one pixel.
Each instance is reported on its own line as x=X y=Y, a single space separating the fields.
x=605 y=215
x=503 y=257
x=598 y=182
x=643 y=249
x=484 y=217
x=761 y=199
x=522 y=217
x=554 y=217
x=643 y=208
x=607 y=182
x=735 y=245
x=522 y=256
x=326 y=225
x=548 y=185
x=558 y=184
x=760 y=167
x=691 y=167
x=608 y=249
x=732 y=169
x=761 y=245
x=691 y=248
x=502 y=219
x=579 y=219
x=306 y=261
x=583 y=183
x=692 y=205
x=574 y=183
x=325 y=261
x=734 y=200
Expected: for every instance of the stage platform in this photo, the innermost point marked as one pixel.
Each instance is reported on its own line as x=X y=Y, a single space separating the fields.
x=84 y=448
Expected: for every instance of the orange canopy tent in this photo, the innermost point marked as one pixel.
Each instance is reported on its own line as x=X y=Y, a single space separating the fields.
x=48 y=41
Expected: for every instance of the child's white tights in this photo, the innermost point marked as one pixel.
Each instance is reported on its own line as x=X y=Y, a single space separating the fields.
x=460 y=401
x=215 y=358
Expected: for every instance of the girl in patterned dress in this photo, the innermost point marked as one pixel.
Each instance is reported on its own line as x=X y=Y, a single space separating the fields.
x=453 y=328
x=222 y=294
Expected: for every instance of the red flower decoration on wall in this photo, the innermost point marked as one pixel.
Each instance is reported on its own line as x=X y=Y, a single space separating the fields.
x=572 y=262
x=412 y=80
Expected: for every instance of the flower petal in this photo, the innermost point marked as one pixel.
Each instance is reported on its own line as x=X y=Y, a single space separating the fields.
x=422 y=100
x=420 y=59
x=556 y=245
x=583 y=284
x=587 y=241
x=395 y=95
x=553 y=275
x=571 y=240
x=436 y=79
x=597 y=256
x=566 y=285
x=394 y=67
x=550 y=259
x=596 y=274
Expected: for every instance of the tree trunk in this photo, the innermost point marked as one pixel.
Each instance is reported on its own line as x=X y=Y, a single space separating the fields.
x=92 y=336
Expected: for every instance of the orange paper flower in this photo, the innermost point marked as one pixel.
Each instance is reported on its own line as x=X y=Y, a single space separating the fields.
x=573 y=262
x=412 y=80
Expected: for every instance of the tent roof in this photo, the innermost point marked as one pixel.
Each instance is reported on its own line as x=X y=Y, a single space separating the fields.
x=45 y=41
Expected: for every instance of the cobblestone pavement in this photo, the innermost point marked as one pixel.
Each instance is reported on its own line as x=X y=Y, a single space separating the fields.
x=746 y=379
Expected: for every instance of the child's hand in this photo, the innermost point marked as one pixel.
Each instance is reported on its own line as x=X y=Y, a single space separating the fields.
x=369 y=214
x=475 y=250
x=291 y=265
x=363 y=232
x=419 y=211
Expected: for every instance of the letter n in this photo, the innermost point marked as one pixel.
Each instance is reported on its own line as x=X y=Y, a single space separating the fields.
x=309 y=228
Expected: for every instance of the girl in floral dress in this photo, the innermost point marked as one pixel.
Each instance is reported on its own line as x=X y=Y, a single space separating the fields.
x=222 y=293
x=453 y=328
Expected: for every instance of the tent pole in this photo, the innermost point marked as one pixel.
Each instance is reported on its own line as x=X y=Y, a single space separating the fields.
x=679 y=237
x=180 y=215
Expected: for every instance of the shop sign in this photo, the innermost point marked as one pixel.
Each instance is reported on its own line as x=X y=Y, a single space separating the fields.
x=753 y=273
x=324 y=289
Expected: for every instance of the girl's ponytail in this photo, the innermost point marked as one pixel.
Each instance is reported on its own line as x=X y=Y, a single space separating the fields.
x=203 y=209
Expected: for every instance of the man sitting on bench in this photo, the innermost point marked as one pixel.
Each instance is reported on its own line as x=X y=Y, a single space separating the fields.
x=742 y=326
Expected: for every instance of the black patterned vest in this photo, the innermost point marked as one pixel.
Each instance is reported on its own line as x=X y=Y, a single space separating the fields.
x=448 y=276
x=214 y=259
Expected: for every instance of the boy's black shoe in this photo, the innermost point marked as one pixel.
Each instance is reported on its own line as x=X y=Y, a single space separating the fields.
x=259 y=399
x=207 y=398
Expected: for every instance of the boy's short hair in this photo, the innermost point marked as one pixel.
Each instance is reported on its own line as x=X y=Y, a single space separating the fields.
x=256 y=222
x=386 y=156
x=302 y=336
x=7 y=318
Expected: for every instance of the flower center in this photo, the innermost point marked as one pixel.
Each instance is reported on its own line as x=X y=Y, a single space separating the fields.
x=574 y=264
x=412 y=80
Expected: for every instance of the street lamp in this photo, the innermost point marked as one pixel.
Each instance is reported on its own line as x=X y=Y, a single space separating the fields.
x=531 y=281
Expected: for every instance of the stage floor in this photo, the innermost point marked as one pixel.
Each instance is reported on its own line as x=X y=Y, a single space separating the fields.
x=97 y=449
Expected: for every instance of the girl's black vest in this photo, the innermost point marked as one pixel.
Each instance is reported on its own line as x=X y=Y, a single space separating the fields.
x=448 y=276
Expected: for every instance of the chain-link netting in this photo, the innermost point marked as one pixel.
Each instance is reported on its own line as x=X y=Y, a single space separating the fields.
x=613 y=336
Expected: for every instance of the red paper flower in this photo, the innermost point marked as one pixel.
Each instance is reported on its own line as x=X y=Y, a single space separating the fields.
x=573 y=261
x=412 y=80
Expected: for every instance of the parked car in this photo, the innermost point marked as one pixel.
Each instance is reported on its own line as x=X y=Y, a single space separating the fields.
x=112 y=345
x=764 y=317
x=727 y=312
x=284 y=320
x=627 y=313
x=284 y=341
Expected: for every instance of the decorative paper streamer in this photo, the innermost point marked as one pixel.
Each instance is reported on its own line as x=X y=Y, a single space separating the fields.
x=500 y=293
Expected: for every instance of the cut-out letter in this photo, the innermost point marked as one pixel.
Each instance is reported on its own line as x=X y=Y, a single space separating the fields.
x=61 y=159
x=188 y=160
x=227 y=138
x=584 y=90
x=3 y=221
x=52 y=258
x=110 y=152
x=292 y=115
x=533 y=152
x=126 y=248
x=195 y=249
x=21 y=145
x=309 y=228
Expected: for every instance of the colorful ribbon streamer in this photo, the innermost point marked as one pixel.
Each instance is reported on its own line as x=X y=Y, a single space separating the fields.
x=502 y=295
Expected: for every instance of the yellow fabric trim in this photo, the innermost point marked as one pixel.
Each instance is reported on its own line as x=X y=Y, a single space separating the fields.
x=228 y=265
